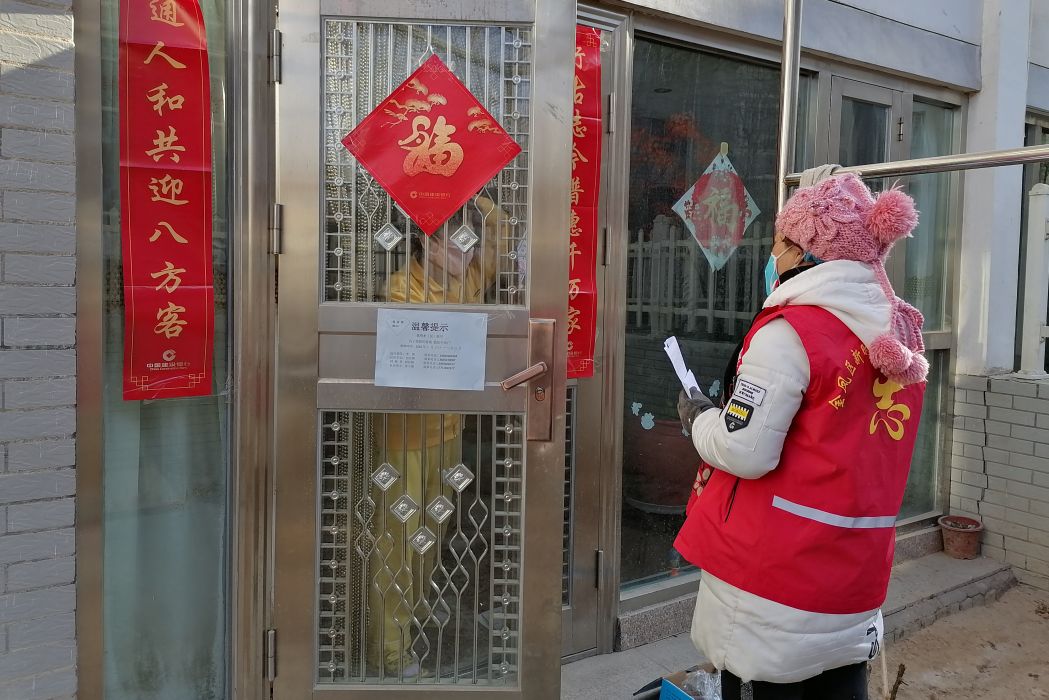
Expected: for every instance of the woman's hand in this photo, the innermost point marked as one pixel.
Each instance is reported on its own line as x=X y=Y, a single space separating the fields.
x=689 y=408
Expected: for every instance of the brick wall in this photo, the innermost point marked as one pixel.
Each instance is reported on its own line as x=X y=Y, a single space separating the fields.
x=37 y=357
x=1000 y=469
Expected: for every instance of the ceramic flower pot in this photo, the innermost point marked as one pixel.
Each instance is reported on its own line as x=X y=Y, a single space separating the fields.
x=659 y=466
x=961 y=536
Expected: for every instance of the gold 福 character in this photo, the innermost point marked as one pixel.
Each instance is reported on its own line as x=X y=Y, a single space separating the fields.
x=431 y=151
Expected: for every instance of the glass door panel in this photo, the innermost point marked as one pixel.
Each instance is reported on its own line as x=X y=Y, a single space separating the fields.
x=932 y=134
x=872 y=124
x=165 y=472
x=419 y=548
x=925 y=266
x=864 y=132
x=865 y=123
x=704 y=288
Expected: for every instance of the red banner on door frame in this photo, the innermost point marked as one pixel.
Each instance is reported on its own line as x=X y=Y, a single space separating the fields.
x=165 y=199
x=585 y=194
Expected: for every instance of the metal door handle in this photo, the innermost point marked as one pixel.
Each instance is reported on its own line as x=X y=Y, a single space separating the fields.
x=536 y=370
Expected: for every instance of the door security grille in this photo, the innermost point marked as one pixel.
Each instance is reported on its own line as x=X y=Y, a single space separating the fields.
x=367 y=237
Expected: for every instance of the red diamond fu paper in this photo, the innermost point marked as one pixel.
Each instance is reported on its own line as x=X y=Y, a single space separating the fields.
x=431 y=145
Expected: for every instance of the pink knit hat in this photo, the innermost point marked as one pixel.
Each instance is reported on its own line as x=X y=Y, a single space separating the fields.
x=839 y=219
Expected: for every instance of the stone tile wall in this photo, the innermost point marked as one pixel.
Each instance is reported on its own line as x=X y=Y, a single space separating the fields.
x=37 y=351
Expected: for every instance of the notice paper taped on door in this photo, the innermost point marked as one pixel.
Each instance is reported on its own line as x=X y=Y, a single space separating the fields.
x=430 y=349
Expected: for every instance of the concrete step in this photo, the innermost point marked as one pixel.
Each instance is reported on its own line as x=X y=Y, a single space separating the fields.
x=921 y=591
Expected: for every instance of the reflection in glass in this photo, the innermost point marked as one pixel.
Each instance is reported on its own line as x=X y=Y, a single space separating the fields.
x=926 y=266
x=419 y=561
x=864 y=132
x=369 y=243
x=923 y=481
x=1036 y=134
x=165 y=602
x=685 y=104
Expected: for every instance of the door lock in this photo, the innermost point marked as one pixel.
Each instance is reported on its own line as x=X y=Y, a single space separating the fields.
x=536 y=370
x=539 y=415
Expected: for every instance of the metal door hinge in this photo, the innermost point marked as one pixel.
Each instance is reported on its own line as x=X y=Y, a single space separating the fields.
x=277 y=229
x=276 y=56
x=899 y=132
x=610 y=122
x=269 y=651
x=599 y=565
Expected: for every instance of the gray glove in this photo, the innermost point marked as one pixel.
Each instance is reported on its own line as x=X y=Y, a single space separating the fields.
x=689 y=408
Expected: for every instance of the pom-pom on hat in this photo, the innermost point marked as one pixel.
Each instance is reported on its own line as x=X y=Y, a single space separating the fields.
x=840 y=219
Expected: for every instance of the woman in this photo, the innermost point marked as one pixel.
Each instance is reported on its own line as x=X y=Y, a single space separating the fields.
x=421 y=448
x=809 y=457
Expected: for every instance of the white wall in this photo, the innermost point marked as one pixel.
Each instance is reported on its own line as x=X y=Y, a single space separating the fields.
x=918 y=38
x=1040 y=33
x=958 y=19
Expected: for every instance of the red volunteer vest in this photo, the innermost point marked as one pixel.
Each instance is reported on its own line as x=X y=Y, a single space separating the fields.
x=817 y=533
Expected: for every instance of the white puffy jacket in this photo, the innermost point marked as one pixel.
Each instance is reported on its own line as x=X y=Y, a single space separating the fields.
x=755 y=638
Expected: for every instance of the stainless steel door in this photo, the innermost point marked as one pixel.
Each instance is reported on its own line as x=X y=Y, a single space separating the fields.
x=417 y=532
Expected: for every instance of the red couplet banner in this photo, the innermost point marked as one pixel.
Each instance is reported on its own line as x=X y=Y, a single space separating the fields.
x=585 y=193
x=165 y=199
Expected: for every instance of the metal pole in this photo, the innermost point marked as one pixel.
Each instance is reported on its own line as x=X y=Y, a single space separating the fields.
x=788 y=95
x=942 y=164
x=1036 y=280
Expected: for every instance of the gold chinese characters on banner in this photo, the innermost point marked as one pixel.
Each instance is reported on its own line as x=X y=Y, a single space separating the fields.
x=165 y=199
x=584 y=194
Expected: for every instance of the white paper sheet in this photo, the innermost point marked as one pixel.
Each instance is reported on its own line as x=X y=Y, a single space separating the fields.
x=430 y=349
x=684 y=375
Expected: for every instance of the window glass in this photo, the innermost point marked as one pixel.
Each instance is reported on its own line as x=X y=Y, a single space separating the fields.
x=926 y=266
x=923 y=481
x=1036 y=134
x=686 y=104
x=925 y=286
x=864 y=132
x=165 y=594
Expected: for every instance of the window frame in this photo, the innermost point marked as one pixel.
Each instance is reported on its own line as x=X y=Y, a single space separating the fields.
x=822 y=71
